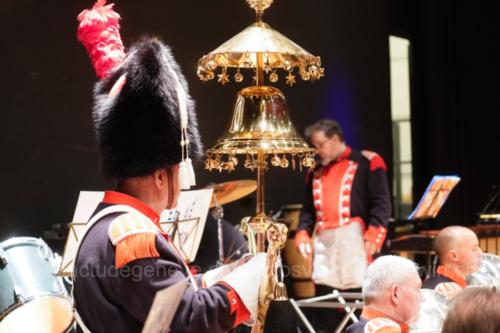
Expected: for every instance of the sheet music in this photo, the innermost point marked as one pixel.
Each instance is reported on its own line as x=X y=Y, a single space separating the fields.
x=85 y=206
x=187 y=231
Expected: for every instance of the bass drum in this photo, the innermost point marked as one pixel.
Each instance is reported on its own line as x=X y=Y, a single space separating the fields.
x=488 y=273
x=32 y=297
x=432 y=313
x=300 y=270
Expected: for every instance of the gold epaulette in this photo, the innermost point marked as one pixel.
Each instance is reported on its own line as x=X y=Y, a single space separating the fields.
x=448 y=289
x=134 y=236
x=382 y=325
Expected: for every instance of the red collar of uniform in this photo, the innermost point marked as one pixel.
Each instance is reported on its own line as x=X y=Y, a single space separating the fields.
x=341 y=158
x=344 y=155
x=441 y=270
x=118 y=198
x=370 y=313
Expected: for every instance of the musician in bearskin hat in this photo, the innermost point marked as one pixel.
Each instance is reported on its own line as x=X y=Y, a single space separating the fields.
x=147 y=131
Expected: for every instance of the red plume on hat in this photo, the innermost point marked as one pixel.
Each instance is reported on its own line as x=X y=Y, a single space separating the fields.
x=99 y=32
x=143 y=114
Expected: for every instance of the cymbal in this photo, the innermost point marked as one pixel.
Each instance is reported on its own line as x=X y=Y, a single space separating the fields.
x=231 y=191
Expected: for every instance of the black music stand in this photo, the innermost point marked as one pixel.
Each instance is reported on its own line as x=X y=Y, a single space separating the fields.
x=434 y=197
x=427 y=209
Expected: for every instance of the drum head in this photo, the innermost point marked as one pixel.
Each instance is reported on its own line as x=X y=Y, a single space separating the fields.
x=32 y=297
x=42 y=315
x=7 y=296
x=32 y=268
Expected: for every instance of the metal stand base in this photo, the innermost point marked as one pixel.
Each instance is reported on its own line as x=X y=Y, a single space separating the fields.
x=317 y=302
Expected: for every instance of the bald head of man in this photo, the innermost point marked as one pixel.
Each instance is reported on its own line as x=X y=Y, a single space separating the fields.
x=458 y=249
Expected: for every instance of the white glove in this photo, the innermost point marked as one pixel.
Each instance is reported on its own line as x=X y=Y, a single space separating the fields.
x=305 y=250
x=212 y=276
x=246 y=280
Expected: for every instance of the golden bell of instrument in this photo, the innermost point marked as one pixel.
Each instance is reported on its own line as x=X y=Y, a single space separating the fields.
x=260 y=123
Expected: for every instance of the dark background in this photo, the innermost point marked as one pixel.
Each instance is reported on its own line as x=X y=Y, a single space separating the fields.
x=47 y=147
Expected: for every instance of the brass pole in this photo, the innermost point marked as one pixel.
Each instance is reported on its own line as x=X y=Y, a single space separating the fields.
x=259 y=69
x=259 y=11
x=261 y=218
x=260 y=183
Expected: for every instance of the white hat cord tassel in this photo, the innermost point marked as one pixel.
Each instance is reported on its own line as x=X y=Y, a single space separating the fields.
x=186 y=171
x=189 y=163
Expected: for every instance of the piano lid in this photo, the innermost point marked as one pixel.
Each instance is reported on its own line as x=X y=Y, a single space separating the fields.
x=491 y=210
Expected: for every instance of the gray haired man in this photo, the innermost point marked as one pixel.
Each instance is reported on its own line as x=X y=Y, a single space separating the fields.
x=391 y=291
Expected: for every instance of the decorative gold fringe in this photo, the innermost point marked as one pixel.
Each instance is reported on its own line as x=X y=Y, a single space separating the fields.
x=138 y=246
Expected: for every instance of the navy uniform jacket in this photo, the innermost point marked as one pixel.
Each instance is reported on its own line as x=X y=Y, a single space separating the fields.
x=443 y=275
x=358 y=327
x=433 y=281
x=376 y=325
x=118 y=300
x=372 y=321
x=368 y=198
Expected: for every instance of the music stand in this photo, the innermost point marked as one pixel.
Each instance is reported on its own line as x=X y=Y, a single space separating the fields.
x=85 y=206
x=186 y=232
x=192 y=209
x=434 y=197
x=318 y=302
x=430 y=205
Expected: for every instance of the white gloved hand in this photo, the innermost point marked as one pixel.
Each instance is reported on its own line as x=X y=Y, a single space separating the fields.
x=246 y=280
x=212 y=276
x=305 y=250
x=303 y=244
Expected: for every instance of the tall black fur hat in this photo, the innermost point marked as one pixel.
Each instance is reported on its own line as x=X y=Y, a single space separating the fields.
x=137 y=113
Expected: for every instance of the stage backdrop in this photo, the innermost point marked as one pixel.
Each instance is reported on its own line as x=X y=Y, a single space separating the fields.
x=47 y=142
x=455 y=104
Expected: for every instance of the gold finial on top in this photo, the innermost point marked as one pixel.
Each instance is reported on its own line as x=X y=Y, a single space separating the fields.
x=259 y=6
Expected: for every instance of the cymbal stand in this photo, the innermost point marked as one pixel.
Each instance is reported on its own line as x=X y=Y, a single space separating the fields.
x=218 y=214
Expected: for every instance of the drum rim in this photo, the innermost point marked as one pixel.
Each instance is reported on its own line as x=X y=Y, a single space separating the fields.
x=11 y=242
x=25 y=301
